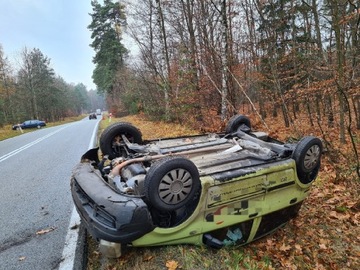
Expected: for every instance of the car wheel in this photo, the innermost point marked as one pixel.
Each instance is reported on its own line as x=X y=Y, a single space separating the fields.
x=238 y=123
x=307 y=156
x=38 y=127
x=111 y=141
x=171 y=183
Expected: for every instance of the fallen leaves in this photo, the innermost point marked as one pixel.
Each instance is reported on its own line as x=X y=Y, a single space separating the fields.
x=172 y=265
x=324 y=233
x=285 y=247
x=74 y=227
x=339 y=216
x=355 y=219
x=148 y=258
x=298 y=249
x=324 y=243
x=44 y=231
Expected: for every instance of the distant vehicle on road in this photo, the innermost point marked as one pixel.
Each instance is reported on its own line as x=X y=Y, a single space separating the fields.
x=98 y=111
x=92 y=116
x=30 y=124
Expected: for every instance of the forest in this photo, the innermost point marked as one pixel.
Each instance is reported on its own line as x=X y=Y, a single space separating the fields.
x=34 y=91
x=295 y=63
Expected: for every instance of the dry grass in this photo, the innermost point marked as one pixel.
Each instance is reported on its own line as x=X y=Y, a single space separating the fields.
x=6 y=132
x=151 y=129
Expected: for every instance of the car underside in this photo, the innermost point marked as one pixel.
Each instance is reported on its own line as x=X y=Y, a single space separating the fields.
x=216 y=189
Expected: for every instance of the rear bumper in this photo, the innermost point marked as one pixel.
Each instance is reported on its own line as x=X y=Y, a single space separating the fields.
x=107 y=214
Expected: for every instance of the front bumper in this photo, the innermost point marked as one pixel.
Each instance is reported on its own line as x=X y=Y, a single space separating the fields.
x=108 y=215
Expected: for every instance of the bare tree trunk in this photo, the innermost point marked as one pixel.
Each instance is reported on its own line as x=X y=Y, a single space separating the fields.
x=356 y=104
x=224 y=60
x=275 y=106
x=166 y=85
x=329 y=111
x=250 y=22
x=308 y=109
x=340 y=75
x=188 y=7
x=318 y=30
x=317 y=106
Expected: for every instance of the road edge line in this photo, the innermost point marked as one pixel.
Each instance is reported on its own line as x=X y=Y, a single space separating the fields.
x=71 y=240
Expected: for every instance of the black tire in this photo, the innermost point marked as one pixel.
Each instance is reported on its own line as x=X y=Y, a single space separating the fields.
x=171 y=183
x=307 y=156
x=238 y=122
x=110 y=139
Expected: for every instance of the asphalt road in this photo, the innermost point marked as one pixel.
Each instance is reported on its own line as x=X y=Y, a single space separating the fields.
x=36 y=203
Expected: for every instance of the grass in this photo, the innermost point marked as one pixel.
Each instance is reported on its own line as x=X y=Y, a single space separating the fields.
x=184 y=257
x=151 y=129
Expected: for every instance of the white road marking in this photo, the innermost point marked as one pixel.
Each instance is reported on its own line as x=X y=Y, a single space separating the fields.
x=72 y=235
x=68 y=254
x=22 y=148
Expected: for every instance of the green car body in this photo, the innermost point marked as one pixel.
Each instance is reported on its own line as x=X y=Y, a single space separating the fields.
x=244 y=202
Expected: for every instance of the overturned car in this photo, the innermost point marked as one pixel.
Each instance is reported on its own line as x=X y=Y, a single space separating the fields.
x=218 y=189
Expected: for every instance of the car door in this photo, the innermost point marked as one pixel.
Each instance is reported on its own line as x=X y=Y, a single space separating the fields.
x=26 y=124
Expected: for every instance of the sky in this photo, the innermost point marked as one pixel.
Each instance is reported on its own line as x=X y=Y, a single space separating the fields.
x=58 y=28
